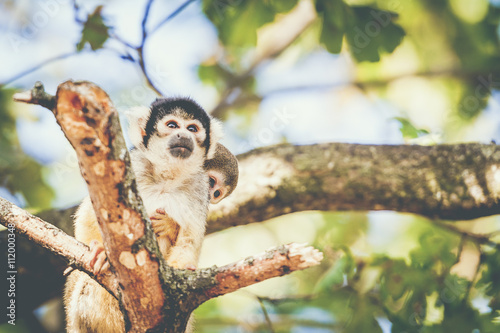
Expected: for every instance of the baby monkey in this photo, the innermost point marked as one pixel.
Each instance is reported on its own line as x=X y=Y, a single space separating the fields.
x=223 y=173
x=176 y=151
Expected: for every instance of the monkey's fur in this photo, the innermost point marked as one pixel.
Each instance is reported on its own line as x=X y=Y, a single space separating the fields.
x=173 y=139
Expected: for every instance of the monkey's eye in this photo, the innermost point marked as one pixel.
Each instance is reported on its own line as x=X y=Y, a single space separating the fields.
x=192 y=128
x=212 y=182
x=217 y=194
x=172 y=124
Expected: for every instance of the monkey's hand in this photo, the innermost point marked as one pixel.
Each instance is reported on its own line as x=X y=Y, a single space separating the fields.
x=99 y=260
x=164 y=226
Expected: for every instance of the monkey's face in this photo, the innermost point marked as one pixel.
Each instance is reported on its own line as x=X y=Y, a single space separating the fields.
x=218 y=187
x=178 y=137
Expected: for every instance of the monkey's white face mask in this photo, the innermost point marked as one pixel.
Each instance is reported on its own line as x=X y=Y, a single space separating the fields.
x=177 y=141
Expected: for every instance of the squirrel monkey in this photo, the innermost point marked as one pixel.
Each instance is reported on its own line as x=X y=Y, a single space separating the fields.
x=174 y=141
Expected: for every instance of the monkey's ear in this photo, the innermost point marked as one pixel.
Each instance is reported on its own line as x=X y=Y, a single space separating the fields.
x=215 y=135
x=137 y=119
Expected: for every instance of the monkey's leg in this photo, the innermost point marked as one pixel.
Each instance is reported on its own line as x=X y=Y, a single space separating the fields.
x=185 y=253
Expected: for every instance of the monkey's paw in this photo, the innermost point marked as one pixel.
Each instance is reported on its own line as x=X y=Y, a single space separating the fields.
x=98 y=260
x=165 y=226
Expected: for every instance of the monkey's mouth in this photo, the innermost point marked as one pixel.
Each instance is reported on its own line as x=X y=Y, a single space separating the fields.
x=181 y=151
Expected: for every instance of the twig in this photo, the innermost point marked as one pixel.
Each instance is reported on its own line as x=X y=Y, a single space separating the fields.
x=144 y=21
x=171 y=16
x=37 y=67
x=266 y=315
x=37 y=95
x=76 y=10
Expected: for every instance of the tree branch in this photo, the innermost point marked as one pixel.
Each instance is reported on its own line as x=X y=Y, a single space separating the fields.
x=275 y=262
x=453 y=182
x=37 y=67
x=76 y=253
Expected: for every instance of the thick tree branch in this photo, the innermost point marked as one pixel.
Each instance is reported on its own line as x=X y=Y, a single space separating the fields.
x=453 y=182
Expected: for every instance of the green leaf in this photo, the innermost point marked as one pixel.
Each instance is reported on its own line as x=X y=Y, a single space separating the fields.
x=94 y=32
x=372 y=33
x=408 y=130
x=333 y=29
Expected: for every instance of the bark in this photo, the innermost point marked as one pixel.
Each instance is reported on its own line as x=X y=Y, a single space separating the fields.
x=453 y=182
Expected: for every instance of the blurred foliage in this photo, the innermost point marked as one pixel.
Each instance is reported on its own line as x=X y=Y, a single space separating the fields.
x=371 y=291
x=19 y=173
x=400 y=49
x=369 y=32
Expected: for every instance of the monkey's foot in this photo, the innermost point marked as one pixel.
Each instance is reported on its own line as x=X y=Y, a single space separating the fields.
x=98 y=260
x=165 y=226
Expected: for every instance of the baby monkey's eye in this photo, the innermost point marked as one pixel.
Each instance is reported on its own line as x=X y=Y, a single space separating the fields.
x=192 y=128
x=172 y=124
x=212 y=182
